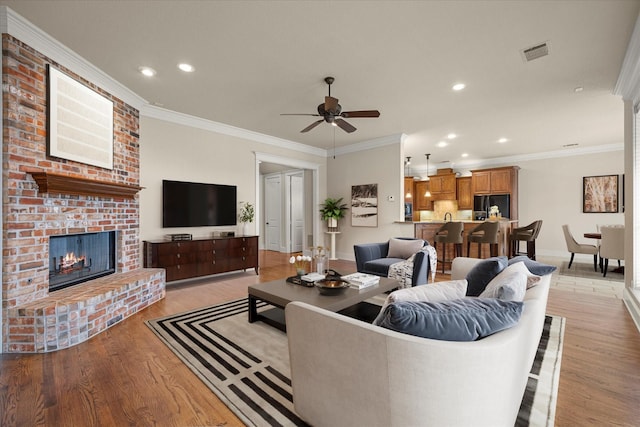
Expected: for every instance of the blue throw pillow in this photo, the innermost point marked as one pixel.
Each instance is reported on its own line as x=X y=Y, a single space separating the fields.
x=482 y=273
x=535 y=267
x=465 y=319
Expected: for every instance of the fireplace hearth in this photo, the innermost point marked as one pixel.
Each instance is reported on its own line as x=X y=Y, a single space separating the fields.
x=77 y=258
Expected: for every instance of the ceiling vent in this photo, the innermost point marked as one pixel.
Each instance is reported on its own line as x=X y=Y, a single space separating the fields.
x=535 y=52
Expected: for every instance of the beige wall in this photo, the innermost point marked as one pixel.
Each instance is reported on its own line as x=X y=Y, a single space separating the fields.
x=179 y=152
x=549 y=189
x=382 y=166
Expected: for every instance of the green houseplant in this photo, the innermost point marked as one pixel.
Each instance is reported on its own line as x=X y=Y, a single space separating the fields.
x=332 y=210
x=247 y=214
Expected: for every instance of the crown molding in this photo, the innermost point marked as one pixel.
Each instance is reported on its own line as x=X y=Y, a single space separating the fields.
x=628 y=84
x=397 y=138
x=570 y=152
x=155 y=112
x=23 y=30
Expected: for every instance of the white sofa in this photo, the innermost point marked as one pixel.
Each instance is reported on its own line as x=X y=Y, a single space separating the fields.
x=346 y=372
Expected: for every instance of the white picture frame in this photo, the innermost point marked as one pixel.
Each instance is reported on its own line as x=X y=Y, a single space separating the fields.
x=80 y=122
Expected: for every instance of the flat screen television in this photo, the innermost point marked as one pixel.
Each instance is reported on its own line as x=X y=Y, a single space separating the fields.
x=192 y=204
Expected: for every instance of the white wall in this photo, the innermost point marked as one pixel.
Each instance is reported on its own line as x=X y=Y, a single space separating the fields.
x=174 y=151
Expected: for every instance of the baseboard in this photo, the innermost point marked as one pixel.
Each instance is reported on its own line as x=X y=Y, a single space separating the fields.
x=631 y=299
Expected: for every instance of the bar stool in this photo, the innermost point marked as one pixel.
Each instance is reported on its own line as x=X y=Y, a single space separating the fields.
x=528 y=233
x=486 y=232
x=450 y=232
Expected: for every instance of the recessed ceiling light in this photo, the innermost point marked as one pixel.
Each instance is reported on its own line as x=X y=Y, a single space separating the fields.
x=187 y=68
x=442 y=144
x=502 y=140
x=458 y=86
x=465 y=154
x=452 y=136
x=147 y=71
x=578 y=89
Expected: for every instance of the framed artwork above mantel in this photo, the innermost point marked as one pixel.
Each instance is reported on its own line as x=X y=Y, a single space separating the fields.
x=80 y=122
x=600 y=194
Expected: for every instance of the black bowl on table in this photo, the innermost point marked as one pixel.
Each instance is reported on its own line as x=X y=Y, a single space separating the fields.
x=331 y=286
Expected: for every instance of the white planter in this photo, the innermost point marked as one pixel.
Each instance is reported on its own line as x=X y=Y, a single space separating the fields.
x=332 y=223
x=245 y=228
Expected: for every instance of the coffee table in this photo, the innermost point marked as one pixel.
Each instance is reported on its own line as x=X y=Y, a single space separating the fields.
x=279 y=293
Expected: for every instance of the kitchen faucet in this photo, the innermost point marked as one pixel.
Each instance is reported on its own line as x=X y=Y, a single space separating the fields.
x=450 y=216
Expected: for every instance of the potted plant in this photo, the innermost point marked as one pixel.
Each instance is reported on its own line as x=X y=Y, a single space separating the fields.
x=332 y=210
x=247 y=213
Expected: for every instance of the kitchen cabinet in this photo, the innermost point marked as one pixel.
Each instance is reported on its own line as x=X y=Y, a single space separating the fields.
x=443 y=186
x=465 y=195
x=422 y=203
x=496 y=181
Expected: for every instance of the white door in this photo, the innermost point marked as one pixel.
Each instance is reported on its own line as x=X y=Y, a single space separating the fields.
x=272 y=208
x=297 y=212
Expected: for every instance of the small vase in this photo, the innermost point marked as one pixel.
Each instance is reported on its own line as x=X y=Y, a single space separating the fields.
x=245 y=228
x=300 y=271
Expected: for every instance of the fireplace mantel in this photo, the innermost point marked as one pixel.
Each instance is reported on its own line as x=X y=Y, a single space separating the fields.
x=49 y=182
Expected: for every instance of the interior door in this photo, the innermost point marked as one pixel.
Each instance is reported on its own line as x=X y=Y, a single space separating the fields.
x=272 y=208
x=297 y=212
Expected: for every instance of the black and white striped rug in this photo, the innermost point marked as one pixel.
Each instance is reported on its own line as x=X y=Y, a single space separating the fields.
x=247 y=364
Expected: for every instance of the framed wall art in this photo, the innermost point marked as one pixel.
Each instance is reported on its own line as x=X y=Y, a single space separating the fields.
x=80 y=122
x=364 y=205
x=600 y=194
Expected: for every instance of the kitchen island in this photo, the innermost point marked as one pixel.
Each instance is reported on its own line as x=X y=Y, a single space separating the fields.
x=426 y=230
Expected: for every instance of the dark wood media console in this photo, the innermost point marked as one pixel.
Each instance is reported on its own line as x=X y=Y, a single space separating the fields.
x=185 y=259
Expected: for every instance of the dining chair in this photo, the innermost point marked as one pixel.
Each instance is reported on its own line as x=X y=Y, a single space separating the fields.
x=577 y=248
x=611 y=245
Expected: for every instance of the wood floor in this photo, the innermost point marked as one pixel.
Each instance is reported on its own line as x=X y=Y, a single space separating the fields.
x=126 y=376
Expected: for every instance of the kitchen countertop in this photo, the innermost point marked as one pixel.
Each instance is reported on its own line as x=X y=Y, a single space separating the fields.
x=441 y=221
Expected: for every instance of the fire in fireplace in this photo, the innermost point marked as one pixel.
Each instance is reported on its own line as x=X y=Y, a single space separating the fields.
x=76 y=258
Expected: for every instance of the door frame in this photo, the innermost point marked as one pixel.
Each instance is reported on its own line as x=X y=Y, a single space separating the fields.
x=296 y=164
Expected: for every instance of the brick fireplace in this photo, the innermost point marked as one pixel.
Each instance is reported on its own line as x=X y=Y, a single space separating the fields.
x=44 y=197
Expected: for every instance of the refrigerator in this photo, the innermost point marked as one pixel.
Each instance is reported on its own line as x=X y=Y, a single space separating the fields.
x=482 y=204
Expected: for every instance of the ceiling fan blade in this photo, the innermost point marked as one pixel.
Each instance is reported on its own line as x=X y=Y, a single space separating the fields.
x=347 y=127
x=363 y=113
x=311 y=126
x=330 y=103
x=299 y=114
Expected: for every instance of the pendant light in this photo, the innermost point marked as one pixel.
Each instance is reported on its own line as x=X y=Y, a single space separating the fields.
x=427 y=193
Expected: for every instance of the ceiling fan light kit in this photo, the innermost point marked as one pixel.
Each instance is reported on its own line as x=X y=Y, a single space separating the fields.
x=331 y=112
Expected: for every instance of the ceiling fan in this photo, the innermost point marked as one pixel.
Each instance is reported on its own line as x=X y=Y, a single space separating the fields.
x=331 y=112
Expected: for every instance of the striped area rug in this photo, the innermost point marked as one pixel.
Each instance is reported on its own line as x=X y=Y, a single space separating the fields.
x=247 y=364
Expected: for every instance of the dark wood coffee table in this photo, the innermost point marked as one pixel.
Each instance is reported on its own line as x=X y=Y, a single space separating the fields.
x=279 y=293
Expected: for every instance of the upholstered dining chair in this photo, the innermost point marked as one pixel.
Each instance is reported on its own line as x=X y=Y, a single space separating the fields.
x=485 y=232
x=611 y=245
x=577 y=248
x=528 y=233
x=450 y=232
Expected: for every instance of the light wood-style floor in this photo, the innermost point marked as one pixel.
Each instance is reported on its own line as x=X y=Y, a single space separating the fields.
x=126 y=376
